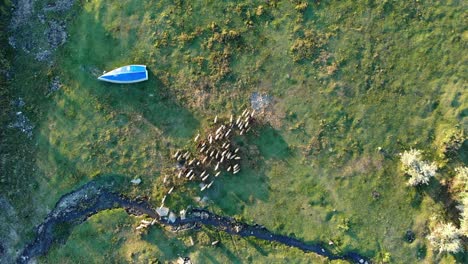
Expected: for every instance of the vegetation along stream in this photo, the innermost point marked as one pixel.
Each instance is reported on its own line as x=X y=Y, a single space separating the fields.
x=75 y=207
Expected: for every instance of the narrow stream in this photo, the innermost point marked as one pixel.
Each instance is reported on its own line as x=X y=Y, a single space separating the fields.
x=75 y=207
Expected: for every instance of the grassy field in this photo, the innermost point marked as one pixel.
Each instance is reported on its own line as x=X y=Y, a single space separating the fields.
x=353 y=83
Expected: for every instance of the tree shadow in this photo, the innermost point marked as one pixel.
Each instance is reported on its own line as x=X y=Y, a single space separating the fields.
x=257 y=247
x=463 y=152
x=170 y=247
x=232 y=193
x=271 y=144
x=153 y=101
x=440 y=194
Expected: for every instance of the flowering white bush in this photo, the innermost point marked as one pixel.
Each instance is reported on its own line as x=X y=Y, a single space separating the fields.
x=446 y=238
x=419 y=170
x=464 y=216
x=461 y=185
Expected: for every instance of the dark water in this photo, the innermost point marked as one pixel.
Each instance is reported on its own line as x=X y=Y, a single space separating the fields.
x=75 y=207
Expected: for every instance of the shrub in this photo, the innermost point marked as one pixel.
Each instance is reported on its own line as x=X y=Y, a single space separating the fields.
x=446 y=238
x=419 y=170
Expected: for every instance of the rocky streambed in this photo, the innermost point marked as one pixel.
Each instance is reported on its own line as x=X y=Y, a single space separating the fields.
x=77 y=206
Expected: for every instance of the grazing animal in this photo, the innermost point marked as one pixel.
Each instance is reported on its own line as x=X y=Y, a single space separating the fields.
x=145 y=222
x=209 y=184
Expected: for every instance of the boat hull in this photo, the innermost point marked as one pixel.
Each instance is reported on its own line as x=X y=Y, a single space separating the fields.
x=126 y=74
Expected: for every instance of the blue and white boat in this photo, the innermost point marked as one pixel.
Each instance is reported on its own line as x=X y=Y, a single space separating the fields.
x=126 y=74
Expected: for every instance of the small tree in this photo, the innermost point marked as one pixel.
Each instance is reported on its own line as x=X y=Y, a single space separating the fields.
x=446 y=238
x=419 y=170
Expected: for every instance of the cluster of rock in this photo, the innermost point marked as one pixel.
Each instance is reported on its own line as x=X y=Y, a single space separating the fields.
x=20 y=120
x=36 y=32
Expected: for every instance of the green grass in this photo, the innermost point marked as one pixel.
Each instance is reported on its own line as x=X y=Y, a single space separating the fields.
x=109 y=237
x=376 y=74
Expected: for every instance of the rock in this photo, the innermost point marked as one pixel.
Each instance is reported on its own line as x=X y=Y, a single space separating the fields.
x=59 y=5
x=22 y=123
x=56 y=34
x=12 y=42
x=172 y=217
x=44 y=55
x=237 y=228
x=259 y=101
x=375 y=194
x=183 y=214
x=23 y=11
x=410 y=236
x=41 y=18
x=202 y=201
x=18 y=102
x=136 y=181
x=162 y=211
x=55 y=84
